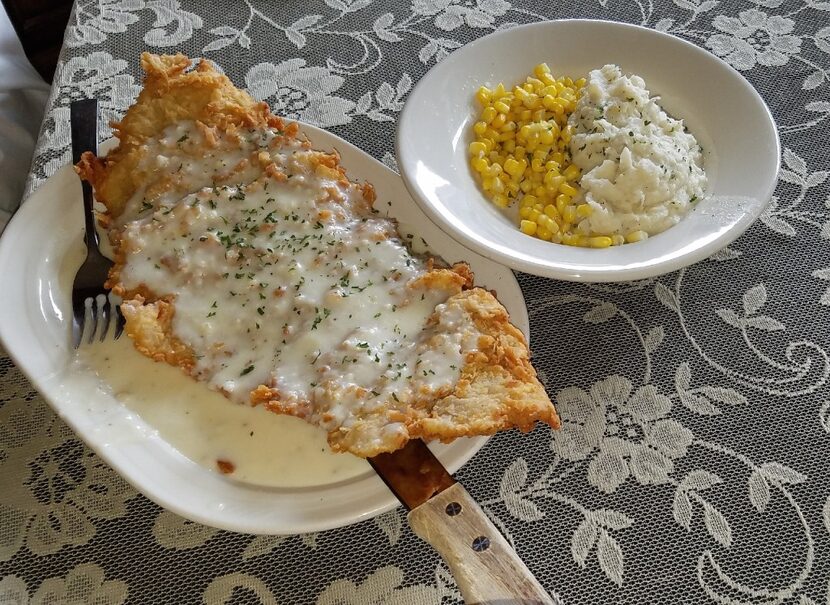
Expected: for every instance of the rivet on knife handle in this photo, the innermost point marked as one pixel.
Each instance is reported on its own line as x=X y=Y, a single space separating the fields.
x=486 y=568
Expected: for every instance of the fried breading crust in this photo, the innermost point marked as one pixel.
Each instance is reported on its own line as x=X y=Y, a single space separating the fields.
x=497 y=389
x=170 y=94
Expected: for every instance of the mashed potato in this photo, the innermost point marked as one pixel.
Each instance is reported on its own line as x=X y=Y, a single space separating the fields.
x=642 y=171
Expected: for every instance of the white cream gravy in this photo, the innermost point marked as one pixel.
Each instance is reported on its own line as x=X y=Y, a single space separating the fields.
x=294 y=283
x=265 y=448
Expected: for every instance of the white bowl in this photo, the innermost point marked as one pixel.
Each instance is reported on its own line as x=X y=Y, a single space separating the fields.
x=724 y=112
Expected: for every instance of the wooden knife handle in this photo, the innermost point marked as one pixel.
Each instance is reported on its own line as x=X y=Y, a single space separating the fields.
x=488 y=571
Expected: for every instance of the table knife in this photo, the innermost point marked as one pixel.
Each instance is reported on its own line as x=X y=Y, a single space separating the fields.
x=441 y=512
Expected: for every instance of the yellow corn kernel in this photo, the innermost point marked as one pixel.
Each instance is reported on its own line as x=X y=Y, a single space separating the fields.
x=567 y=189
x=551 y=211
x=562 y=201
x=498 y=184
x=548 y=80
x=479 y=164
x=543 y=234
x=572 y=172
x=541 y=69
x=501 y=107
x=580 y=83
x=500 y=200
x=528 y=227
x=538 y=115
x=557 y=157
x=566 y=134
x=495 y=169
x=477 y=149
x=525 y=211
x=488 y=114
x=534 y=215
x=487 y=183
x=548 y=224
x=568 y=213
x=617 y=240
x=526 y=186
x=636 y=236
x=483 y=95
x=529 y=200
x=600 y=241
x=551 y=103
x=499 y=92
x=552 y=175
x=480 y=128
x=551 y=190
x=519 y=152
x=533 y=101
x=540 y=154
x=583 y=210
x=510 y=146
x=499 y=121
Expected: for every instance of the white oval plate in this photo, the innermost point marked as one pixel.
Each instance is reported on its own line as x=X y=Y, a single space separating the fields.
x=39 y=254
x=721 y=108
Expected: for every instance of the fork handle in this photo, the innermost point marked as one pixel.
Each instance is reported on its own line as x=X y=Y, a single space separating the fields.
x=83 y=116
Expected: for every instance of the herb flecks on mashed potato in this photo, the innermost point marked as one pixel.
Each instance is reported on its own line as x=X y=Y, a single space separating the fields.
x=641 y=169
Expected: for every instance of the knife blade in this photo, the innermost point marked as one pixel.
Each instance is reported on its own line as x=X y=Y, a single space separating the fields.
x=442 y=513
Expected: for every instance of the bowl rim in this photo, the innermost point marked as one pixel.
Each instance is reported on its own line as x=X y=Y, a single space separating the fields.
x=593 y=274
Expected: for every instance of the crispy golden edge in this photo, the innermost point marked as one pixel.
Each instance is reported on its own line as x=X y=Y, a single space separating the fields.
x=497 y=389
x=170 y=94
x=149 y=325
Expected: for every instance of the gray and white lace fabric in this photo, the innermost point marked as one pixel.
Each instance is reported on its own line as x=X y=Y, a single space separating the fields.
x=693 y=461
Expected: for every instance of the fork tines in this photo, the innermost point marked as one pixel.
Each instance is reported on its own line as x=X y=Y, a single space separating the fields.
x=96 y=321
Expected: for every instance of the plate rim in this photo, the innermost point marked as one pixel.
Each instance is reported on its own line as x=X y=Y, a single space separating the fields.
x=48 y=386
x=586 y=274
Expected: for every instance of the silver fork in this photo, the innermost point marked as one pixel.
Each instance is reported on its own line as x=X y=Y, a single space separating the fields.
x=91 y=302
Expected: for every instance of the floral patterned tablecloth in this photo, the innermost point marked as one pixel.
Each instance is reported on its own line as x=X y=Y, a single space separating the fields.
x=692 y=465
